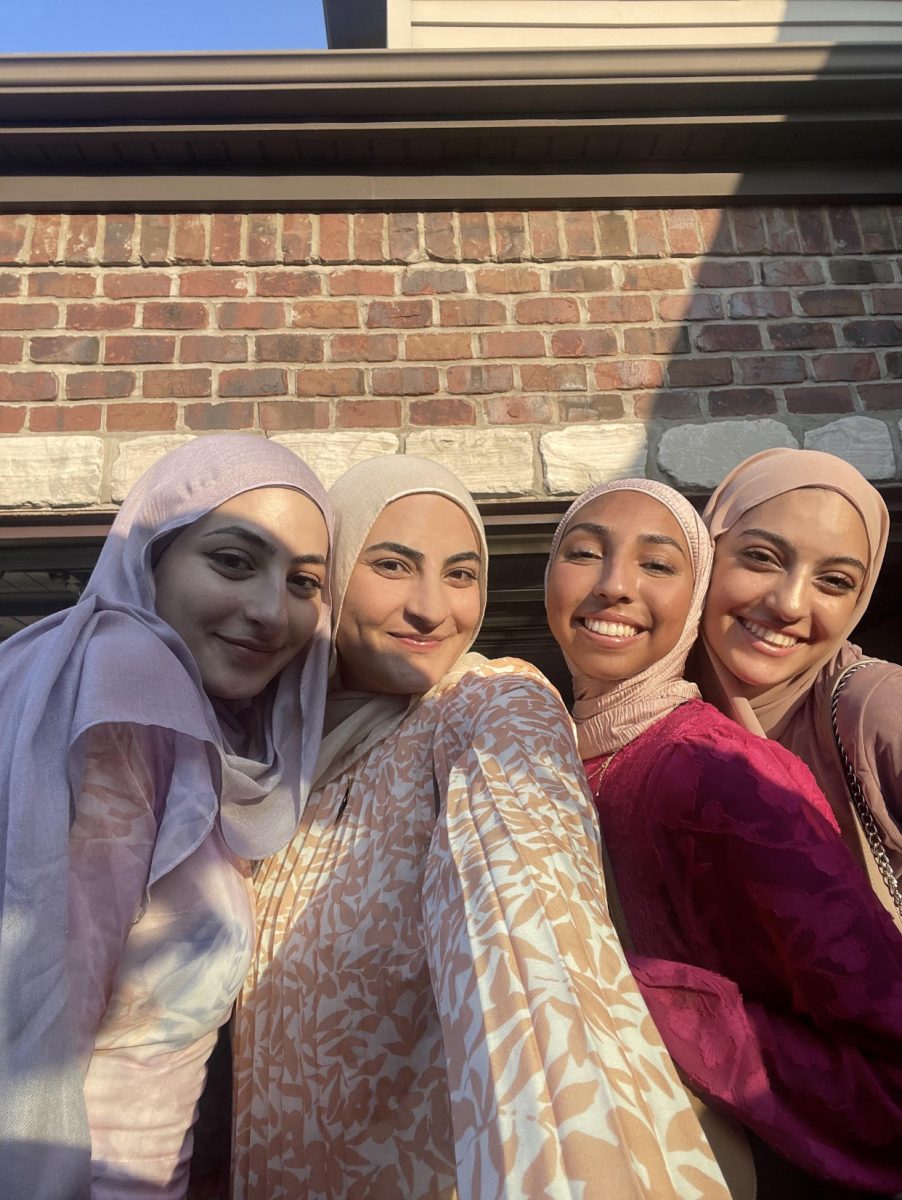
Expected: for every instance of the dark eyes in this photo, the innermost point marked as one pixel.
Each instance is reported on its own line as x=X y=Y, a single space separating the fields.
x=232 y=560
x=393 y=568
x=238 y=564
x=591 y=554
x=759 y=556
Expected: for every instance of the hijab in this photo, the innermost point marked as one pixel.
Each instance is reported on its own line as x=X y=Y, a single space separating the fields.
x=111 y=659
x=606 y=723
x=763 y=477
x=356 y=721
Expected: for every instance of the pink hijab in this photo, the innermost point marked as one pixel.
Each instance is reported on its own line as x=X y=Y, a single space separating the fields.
x=763 y=477
x=606 y=723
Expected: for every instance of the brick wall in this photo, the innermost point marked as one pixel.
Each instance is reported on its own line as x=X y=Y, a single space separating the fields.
x=533 y=352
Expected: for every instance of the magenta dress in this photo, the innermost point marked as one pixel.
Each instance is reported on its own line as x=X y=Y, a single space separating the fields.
x=771 y=970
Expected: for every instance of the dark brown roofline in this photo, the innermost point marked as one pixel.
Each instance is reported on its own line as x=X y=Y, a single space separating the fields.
x=355 y=24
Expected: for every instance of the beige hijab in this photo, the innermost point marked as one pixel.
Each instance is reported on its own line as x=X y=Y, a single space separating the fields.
x=760 y=478
x=605 y=723
x=356 y=721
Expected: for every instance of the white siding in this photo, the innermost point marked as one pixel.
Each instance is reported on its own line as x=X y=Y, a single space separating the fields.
x=599 y=24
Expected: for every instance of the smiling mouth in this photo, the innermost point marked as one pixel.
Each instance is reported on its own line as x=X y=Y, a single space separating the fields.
x=771 y=637
x=617 y=630
x=249 y=649
x=414 y=641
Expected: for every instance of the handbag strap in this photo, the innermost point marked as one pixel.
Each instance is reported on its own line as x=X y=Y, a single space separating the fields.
x=876 y=861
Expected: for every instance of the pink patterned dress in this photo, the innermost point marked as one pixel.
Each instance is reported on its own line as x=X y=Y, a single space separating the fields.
x=153 y=974
x=438 y=1005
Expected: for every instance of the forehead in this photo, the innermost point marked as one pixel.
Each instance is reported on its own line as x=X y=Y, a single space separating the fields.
x=630 y=514
x=817 y=520
x=282 y=513
x=425 y=522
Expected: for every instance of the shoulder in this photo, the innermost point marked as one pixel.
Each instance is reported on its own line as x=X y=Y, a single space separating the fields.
x=871 y=701
x=483 y=680
x=483 y=694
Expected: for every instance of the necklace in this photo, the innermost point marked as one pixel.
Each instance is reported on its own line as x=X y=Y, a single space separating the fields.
x=598 y=774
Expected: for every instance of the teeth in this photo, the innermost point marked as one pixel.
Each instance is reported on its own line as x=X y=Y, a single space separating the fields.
x=770 y=635
x=609 y=628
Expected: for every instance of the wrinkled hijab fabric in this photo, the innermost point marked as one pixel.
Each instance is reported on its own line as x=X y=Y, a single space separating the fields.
x=606 y=723
x=763 y=477
x=356 y=721
x=111 y=659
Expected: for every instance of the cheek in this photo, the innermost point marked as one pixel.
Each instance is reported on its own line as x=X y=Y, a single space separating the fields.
x=466 y=607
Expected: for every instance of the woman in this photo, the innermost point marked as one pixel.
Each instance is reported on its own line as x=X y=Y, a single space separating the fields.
x=772 y=972
x=799 y=538
x=438 y=1005
x=157 y=736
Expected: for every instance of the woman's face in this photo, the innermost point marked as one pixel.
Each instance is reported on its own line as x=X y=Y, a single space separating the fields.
x=242 y=587
x=786 y=578
x=413 y=601
x=620 y=587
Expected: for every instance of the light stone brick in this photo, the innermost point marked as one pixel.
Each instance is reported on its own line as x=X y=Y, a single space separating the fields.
x=330 y=454
x=493 y=462
x=700 y=455
x=50 y=472
x=862 y=441
x=136 y=455
x=577 y=458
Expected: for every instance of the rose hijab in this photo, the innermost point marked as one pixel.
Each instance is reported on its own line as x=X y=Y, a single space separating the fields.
x=111 y=659
x=608 y=722
x=356 y=721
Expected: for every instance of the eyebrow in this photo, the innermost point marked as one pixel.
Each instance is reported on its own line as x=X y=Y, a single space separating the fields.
x=844 y=560
x=651 y=539
x=419 y=558
x=261 y=543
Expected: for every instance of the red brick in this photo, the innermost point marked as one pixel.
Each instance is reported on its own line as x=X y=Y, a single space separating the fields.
x=204 y=347
x=700 y=372
x=520 y=410
x=583 y=343
x=362 y=282
x=334 y=232
x=45 y=237
x=690 y=306
x=11 y=349
x=239 y=415
x=814 y=399
x=656 y=339
x=368 y=414
x=742 y=402
x=363 y=347
x=403 y=237
x=253 y=381
x=715 y=273
x=405 y=381
x=650 y=240
x=28 y=316
x=121 y=285
x=683 y=232
x=251 y=314
x=886 y=300
x=859 y=271
x=100 y=316
x=297 y=238
x=446 y=410
x=27 y=385
x=180 y=384
x=433 y=281
x=793 y=272
x=894 y=363
x=733 y=336
x=11 y=283
x=277 y=415
x=135 y=415
x=190 y=242
x=175 y=314
x=262 y=238
x=881 y=395
x=666 y=405
x=545 y=233
x=225 y=238
x=438 y=231
x=617 y=309
x=156 y=231
x=435 y=347
x=813 y=233
x=760 y=304
x=613 y=235
x=782 y=235
x=501 y=281
x=125 y=348
x=100 y=385
x=59 y=283
x=81 y=242
x=582 y=279
x=213 y=281
x=287 y=282
x=475 y=240
x=288 y=347
x=579 y=235
x=857 y=367
x=329 y=381
x=325 y=314
x=523 y=343
x=843 y=226
x=12 y=238
x=716 y=234
x=560 y=377
x=369 y=231
x=547 y=311
x=603 y=406
x=12 y=419
x=802 y=335
x=480 y=380
x=873 y=333
x=876 y=229
x=830 y=302
x=61 y=418
x=510 y=236
x=772 y=368
x=655 y=277
x=80 y=350
x=399 y=314
x=635 y=374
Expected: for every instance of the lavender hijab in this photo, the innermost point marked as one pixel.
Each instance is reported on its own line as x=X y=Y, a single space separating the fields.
x=111 y=659
x=608 y=722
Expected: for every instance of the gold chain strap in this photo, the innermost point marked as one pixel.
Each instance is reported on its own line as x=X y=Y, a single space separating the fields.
x=859 y=803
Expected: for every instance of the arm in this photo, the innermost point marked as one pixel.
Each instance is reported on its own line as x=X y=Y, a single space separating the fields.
x=869 y=719
x=559 y=1084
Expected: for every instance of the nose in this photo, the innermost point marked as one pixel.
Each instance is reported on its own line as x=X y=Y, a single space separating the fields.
x=787 y=598
x=426 y=603
x=614 y=582
x=266 y=605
